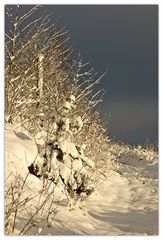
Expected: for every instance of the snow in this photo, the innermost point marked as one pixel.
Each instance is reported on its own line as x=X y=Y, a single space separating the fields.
x=68 y=148
x=126 y=203
x=20 y=146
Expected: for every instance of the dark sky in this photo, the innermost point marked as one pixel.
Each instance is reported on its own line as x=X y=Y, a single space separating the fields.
x=123 y=38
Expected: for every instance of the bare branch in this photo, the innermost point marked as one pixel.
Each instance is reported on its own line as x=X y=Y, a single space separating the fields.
x=28 y=14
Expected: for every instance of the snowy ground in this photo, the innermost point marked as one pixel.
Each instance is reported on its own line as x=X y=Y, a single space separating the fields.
x=124 y=204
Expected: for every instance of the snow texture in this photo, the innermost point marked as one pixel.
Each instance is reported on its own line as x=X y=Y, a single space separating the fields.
x=126 y=203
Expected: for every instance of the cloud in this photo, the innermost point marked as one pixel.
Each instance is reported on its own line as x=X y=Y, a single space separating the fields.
x=133 y=121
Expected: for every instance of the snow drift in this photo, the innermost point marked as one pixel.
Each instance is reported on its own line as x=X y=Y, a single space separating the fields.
x=126 y=203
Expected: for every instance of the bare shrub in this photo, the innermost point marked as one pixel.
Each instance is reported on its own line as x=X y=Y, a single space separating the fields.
x=29 y=208
x=41 y=75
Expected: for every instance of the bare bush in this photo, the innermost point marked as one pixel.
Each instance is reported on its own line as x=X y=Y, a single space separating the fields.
x=24 y=211
x=41 y=76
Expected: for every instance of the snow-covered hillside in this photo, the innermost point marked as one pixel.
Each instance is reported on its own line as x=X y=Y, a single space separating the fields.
x=125 y=203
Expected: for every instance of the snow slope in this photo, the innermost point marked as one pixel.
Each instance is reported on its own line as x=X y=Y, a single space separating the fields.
x=124 y=204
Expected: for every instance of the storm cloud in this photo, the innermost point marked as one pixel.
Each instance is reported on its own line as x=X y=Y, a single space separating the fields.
x=123 y=38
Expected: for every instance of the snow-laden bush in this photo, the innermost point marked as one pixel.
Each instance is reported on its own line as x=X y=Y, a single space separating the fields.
x=62 y=160
x=53 y=95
